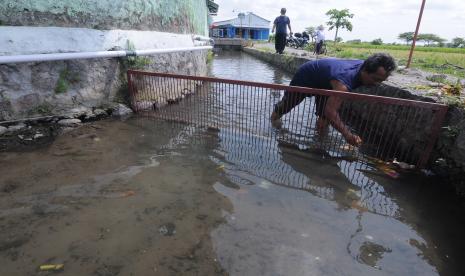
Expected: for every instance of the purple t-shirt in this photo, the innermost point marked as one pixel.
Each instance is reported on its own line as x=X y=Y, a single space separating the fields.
x=281 y=24
x=319 y=73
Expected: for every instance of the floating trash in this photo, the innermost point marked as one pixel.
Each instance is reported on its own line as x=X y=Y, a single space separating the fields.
x=51 y=267
x=168 y=229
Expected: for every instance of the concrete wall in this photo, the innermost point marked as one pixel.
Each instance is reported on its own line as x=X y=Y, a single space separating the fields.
x=178 y=16
x=448 y=156
x=46 y=26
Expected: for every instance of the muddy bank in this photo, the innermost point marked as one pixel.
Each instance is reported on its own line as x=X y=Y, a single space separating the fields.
x=34 y=133
x=102 y=199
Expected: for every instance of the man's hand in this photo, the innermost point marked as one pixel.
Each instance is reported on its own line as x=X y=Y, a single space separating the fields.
x=353 y=139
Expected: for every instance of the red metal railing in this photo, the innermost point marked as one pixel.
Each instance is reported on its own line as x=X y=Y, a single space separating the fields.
x=391 y=128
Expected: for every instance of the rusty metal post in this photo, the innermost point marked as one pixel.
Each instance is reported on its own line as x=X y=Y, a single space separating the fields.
x=416 y=34
x=435 y=131
x=131 y=90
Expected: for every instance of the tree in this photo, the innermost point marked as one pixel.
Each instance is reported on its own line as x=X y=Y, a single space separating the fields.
x=339 y=19
x=429 y=38
x=311 y=31
x=339 y=39
x=458 y=42
x=377 y=41
x=354 y=41
x=407 y=36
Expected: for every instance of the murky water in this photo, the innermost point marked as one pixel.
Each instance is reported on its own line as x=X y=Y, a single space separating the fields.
x=147 y=197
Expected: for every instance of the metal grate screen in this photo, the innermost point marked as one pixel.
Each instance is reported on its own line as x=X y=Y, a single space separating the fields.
x=390 y=128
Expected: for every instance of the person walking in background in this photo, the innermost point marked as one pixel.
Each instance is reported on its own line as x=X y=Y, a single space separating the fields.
x=320 y=39
x=280 y=24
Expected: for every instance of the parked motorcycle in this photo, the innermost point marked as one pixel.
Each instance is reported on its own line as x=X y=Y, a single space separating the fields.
x=291 y=41
x=301 y=40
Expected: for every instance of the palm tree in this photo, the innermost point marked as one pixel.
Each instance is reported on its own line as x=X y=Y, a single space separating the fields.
x=339 y=19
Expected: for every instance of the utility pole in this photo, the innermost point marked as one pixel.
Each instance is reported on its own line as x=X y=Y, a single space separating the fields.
x=416 y=34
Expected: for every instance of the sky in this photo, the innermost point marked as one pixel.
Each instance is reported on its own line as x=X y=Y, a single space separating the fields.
x=384 y=19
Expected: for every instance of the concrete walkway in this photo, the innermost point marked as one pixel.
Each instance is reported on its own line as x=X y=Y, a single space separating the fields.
x=287 y=50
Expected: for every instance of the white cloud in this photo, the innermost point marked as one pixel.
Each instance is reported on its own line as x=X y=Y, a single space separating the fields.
x=372 y=18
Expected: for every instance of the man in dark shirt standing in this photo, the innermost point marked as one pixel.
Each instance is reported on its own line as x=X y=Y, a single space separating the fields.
x=280 y=24
x=334 y=74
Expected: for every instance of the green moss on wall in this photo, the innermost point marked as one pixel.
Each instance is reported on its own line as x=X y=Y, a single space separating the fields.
x=185 y=16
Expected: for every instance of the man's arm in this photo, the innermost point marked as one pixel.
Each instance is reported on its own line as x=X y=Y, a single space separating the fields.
x=331 y=113
x=274 y=26
x=289 y=25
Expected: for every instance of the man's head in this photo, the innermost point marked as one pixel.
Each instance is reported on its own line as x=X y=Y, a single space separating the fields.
x=377 y=68
x=283 y=11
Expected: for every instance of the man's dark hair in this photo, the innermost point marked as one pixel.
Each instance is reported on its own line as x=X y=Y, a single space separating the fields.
x=283 y=11
x=373 y=62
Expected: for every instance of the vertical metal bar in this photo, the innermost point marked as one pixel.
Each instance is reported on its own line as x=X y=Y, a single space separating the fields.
x=399 y=146
x=152 y=93
x=335 y=138
x=322 y=134
x=360 y=126
x=408 y=150
x=440 y=114
x=416 y=33
x=377 y=123
x=380 y=150
x=393 y=133
x=415 y=123
x=161 y=91
x=131 y=89
x=263 y=112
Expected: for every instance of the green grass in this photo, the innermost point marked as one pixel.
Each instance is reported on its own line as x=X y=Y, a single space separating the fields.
x=403 y=47
x=432 y=59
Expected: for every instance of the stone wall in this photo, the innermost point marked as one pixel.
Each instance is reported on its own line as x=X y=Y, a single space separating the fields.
x=46 y=26
x=56 y=88
x=448 y=156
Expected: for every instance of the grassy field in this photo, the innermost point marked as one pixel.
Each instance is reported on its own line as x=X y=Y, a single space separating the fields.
x=434 y=59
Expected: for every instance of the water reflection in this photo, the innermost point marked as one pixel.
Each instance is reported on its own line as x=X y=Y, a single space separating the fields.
x=298 y=211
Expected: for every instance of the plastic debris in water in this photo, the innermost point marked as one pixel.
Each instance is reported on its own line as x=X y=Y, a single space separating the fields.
x=220 y=167
x=388 y=171
x=352 y=194
x=347 y=147
x=403 y=165
x=49 y=267
x=384 y=167
x=264 y=184
x=168 y=229
x=128 y=193
x=357 y=204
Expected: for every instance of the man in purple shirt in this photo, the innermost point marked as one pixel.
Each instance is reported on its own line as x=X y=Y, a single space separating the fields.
x=280 y=24
x=334 y=74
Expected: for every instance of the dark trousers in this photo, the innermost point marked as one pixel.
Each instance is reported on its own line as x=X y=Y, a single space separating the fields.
x=318 y=47
x=292 y=99
x=280 y=42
